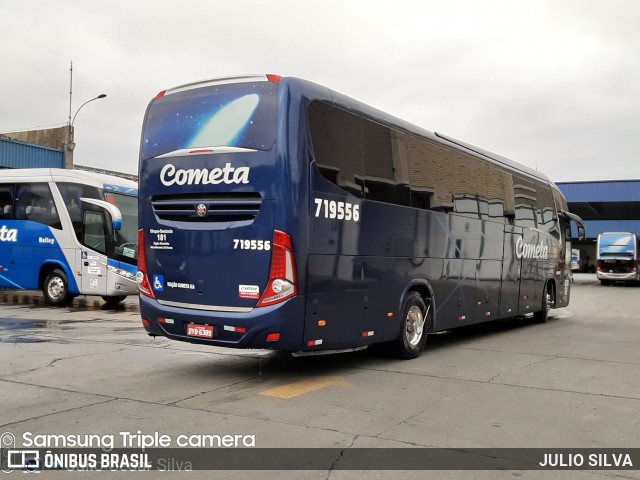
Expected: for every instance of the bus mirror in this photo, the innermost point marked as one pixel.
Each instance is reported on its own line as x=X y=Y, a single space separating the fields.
x=579 y=224
x=116 y=215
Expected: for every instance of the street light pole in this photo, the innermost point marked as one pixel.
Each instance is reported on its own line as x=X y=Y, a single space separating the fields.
x=70 y=145
x=102 y=95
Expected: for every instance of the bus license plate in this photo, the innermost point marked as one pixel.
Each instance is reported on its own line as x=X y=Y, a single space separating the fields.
x=200 y=331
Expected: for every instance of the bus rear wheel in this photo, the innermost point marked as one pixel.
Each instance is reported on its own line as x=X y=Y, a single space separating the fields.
x=56 y=289
x=416 y=320
x=547 y=302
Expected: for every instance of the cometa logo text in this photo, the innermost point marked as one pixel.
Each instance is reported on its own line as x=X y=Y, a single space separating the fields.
x=531 y=250
x=169 y=175
x=8 y=234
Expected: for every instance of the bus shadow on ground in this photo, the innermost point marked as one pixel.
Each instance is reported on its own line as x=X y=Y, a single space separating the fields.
x=283 y=364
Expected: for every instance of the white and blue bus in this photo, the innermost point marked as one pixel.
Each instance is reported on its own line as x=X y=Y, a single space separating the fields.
x=276 y=213
x=68 y=233
x=618 y=254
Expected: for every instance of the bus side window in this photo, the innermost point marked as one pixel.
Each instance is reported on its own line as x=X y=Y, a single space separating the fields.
x=34 y=202
x=500 y=195
x=94 y=232
x=336 y=136
x=71 y=194
x=566 y=225
x=6 y=201
x=385 y=165
x=526 y=202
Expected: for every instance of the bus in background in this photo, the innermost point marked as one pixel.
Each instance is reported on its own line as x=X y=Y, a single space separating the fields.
x=276 y=213
x=575 y=259
x=68 y=233
x=617 y=257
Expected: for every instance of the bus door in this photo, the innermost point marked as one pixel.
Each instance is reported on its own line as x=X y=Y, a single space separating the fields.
x=93 y=254
x=511 y=273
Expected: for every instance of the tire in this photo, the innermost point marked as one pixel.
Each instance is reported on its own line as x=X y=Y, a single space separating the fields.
x=416 y=320
x=113 y=300
x=605 y=283
x=547 y=302
x=56 y=289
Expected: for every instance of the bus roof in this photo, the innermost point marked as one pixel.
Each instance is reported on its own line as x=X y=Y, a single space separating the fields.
x=99 y=180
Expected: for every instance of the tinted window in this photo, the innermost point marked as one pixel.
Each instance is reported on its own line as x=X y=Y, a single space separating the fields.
x=391 y=166
x=617 y=244
x=126 y=239
x=236 y=115
x=547 y=217
x=526 y=201
x=535 y=205
x=71 y=195
x=500 y=193
x=6 y=201
x=94 y=233
x=446 y=179
x=385 y=166
x=358 y=154
x=337 y=146
x=35 y=203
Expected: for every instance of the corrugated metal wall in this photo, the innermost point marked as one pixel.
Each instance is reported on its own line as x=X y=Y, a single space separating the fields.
x=610 y=191
x=24 y=155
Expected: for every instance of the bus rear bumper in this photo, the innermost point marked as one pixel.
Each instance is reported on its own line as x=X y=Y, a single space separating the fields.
x=258 y=328
x=633 y=276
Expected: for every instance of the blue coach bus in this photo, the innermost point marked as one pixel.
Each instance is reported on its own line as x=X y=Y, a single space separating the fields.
x=68 y=233
x=276 y=213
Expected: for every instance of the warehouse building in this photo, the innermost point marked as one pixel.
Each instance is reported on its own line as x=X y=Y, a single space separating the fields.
x=605 y=206
x=17 y=154
x=47 y=148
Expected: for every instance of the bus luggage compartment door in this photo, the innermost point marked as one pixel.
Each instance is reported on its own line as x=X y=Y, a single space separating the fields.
x=511 y=274
x=93 y=271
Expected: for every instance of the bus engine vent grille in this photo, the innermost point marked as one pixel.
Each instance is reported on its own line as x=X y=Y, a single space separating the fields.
x=208 y=207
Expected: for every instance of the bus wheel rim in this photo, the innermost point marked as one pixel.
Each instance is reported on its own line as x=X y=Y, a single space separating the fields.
x=56 y=288
x=415 y=325
x=549 y=302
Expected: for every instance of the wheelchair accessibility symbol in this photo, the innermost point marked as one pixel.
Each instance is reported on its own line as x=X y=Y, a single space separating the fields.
x=158 y=283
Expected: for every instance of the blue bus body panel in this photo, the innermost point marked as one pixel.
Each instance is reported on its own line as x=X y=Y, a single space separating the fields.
x=205 y=263
x=22 y=259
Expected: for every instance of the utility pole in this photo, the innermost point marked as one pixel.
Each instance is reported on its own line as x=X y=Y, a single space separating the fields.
x=68 y=149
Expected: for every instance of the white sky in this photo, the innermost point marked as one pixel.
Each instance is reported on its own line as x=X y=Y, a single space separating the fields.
x=552 y=84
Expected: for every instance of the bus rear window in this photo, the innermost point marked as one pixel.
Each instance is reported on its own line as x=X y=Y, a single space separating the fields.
x=236 y=115
x=617 y=244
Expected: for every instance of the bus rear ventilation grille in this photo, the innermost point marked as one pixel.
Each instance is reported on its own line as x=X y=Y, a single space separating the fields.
x=207 y=207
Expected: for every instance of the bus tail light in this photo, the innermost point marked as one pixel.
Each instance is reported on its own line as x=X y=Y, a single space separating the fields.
x=141 y=277
x=159 y=95
x=282 y=275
